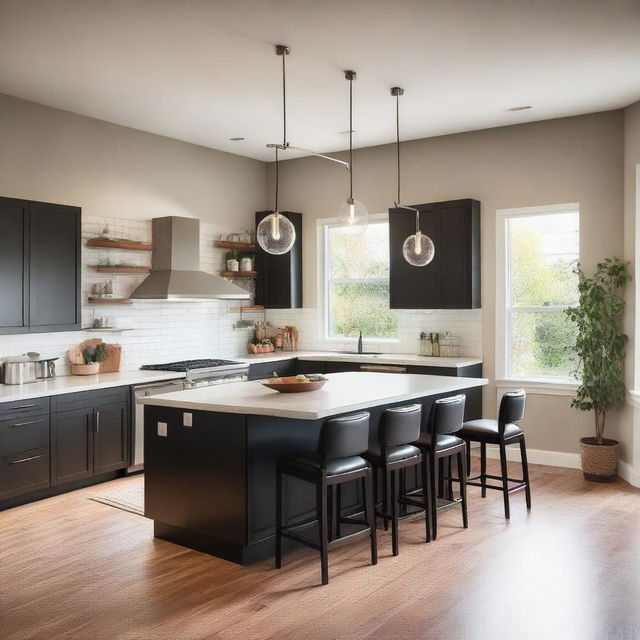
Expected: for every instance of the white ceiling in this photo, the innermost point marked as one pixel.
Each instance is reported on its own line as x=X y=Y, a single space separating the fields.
x=204 y=70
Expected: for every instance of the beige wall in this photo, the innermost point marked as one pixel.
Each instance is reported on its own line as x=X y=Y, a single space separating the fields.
x=112 y=171
x=577 y=159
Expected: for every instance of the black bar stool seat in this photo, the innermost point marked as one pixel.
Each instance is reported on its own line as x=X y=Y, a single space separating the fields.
x=489 y=430
x=312 y=465
x=392 y=454
x=337 y=461
x=444 y=441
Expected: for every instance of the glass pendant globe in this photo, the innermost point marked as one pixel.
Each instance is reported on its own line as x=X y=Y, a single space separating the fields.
x=276 y=234
x=418 y=249
x=353 y=217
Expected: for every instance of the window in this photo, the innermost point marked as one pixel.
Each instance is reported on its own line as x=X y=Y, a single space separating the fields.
x=356 y=283
x=538 y=249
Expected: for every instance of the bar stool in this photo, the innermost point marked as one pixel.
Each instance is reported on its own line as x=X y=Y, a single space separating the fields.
x=441 y=442
x=503 y=431
x=338 y=460
x=399 y=426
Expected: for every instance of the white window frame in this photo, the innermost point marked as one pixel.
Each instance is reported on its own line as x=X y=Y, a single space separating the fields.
x=541 y=385
x=323 y=279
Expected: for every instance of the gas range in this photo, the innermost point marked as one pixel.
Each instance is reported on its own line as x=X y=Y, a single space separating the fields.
x=205 y=372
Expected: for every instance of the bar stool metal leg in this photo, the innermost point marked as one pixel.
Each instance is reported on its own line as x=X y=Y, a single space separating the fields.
x=462 y=475
x=338 y=509
x=394 y=512
x=505 y=481
x=370 y=513
x=426 y=494
x=483 y=469
x=433 y=476
x=525 y=472
x=323 y=516
x=278 y=519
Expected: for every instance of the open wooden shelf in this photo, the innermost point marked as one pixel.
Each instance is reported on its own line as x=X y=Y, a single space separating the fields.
x=121 y=269
x=110 y=301
x=119 y=244
x=105 y=329
x=241 y=246
x=255 y=307
x=238 y=274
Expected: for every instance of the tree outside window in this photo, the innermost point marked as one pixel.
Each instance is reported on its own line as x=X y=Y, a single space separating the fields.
x=357 y=283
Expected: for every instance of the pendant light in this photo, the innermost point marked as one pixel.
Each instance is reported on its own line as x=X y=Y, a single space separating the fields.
x=352 y=214
x=418 y=249
x=276 y=233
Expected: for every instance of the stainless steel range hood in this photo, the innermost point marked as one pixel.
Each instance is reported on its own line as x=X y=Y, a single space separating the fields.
x=175 y=266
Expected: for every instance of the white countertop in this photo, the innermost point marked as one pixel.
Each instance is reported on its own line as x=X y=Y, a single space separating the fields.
x=74 y=384
x=382 y=358
x=343 y=392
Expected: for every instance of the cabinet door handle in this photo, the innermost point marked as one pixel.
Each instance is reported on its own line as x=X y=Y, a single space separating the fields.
x=97 y=421
x=27 y=459
x=22 y=406
x=24 y=424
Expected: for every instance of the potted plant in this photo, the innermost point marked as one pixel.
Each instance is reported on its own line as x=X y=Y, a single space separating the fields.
x=600 y=348
x=92 y=357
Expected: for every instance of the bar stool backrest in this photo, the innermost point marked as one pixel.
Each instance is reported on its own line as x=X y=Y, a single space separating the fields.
x=400 y=425
x=511 y=408
x=344 y=436
x=447 y=416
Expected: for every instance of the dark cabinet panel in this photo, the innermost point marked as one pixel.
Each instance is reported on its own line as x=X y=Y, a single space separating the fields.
x=39 y=267
x=54 y=292
x=452 y=279
x=24 y=472
x=279 y=279
x=110 y=437
x=261 y=370
x=72 y=444
x=14 y=267
x=22 y=434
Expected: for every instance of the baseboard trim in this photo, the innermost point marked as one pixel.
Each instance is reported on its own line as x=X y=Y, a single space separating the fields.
x=562 y=459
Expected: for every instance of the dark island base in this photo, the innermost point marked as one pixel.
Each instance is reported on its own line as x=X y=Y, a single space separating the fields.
x=211 y=486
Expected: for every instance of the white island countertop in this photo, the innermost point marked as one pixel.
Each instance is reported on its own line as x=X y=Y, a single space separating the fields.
x=342 y=393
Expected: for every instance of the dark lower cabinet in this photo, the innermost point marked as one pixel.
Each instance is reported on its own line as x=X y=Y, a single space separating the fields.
x=72 y=443
x=85 y=436
x=282 y=368
x=110 y=437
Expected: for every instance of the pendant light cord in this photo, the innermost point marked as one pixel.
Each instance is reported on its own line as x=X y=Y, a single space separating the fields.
x=351 y=138
x=284 y=104
x=398 y=142
x=277 y=180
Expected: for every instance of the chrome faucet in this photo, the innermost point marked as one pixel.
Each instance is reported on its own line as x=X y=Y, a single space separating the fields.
x=360 y=341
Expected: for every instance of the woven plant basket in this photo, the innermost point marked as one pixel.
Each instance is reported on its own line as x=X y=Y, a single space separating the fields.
x=599 y=460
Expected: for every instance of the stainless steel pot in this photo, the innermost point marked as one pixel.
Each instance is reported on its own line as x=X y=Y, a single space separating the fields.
x=46 y=368
x=16 y=371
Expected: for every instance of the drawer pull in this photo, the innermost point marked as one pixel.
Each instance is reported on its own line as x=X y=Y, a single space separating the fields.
x=24 y=424
x=22 y=406
x=97 y=421
x=27 y=459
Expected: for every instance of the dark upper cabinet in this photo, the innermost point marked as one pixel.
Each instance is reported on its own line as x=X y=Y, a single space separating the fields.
x=452 y=279
x=279 y=279
x=40 y=267
x=14 y=265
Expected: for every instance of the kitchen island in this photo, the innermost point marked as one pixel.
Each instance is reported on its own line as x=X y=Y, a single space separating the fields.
x=210 y=453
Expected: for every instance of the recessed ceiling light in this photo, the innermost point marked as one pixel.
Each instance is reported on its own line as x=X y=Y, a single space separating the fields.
x=236 y=139
x=523 y=108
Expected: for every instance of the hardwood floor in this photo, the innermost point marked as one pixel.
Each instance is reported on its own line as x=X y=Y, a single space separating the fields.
x=73 y=568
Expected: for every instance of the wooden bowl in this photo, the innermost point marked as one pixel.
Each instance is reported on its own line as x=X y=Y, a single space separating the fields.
x=292 y=385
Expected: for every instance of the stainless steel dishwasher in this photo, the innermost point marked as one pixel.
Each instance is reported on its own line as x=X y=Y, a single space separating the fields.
x=144 y=391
